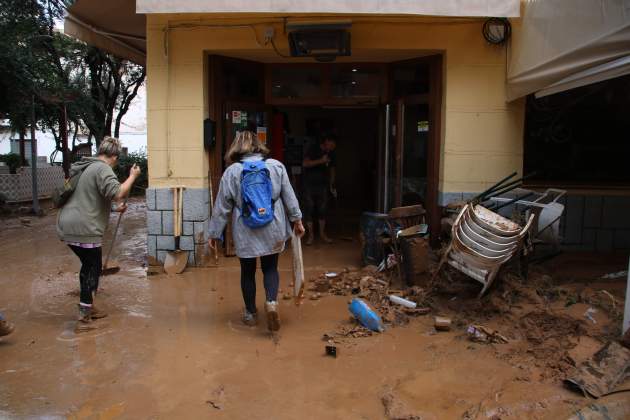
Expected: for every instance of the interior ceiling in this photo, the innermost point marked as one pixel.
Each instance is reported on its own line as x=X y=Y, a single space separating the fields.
x=358 y=55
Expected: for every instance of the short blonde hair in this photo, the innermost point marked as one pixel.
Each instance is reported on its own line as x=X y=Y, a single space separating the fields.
x=109 y=147
x=245 y=143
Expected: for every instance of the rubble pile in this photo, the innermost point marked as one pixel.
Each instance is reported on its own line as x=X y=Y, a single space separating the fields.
x=373 y=287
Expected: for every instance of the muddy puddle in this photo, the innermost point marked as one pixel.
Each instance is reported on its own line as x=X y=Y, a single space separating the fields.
x=174 y=347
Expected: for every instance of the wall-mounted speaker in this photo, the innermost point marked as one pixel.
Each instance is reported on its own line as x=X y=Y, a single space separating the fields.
x=209 y=134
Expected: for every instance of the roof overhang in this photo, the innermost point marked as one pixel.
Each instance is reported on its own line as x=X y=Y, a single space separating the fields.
x=112 y=25
x=452 y=8
x=564 y=44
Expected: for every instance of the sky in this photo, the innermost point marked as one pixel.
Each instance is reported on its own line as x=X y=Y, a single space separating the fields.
x=133 y=130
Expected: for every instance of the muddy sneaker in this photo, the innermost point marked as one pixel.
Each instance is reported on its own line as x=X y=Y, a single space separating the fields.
x=250 y=319
x=84 y=322
x=97 y=313
x=6 y=328
x=273 y=319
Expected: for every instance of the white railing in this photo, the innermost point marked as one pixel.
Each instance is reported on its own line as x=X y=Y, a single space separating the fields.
x=18 y=187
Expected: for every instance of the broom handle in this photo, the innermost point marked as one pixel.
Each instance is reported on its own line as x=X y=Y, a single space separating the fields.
x=111 y=246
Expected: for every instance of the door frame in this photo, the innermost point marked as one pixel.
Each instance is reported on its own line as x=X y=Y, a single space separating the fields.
x=434 y=99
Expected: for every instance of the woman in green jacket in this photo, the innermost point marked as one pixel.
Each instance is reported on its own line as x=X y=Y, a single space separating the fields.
x=83 y=220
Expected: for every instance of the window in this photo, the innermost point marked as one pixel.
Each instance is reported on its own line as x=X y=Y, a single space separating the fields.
x=355 y=82
x=580 y=137
x=296 y=82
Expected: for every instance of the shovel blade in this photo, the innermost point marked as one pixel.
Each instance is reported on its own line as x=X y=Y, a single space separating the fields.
x=112 y=267
x=175 y=262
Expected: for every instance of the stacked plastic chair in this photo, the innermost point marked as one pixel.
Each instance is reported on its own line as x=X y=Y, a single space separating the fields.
x=481 y=242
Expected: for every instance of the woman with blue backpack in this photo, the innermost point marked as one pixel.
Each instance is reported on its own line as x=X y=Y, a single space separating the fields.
x=257 y=192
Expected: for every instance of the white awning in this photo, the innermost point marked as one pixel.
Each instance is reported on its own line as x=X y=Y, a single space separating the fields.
x=563 y=44
x=592 y=75
x=111 y=25
x=452 y=8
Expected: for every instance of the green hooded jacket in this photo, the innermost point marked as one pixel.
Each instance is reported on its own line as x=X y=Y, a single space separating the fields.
x=85 y=216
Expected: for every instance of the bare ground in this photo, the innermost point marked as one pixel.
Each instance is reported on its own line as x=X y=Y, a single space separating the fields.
x=173 y=347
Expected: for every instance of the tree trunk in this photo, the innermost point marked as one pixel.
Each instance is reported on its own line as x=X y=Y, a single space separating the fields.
x=22 y=147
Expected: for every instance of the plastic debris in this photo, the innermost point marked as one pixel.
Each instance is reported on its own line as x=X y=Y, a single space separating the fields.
x=617 y=275
x=482 y=334
x=589 y=315
x=331 y=350
x=401 y=301
x=366 y=315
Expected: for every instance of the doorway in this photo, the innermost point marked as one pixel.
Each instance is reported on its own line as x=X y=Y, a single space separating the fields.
x=356 y=157
x=386 y=117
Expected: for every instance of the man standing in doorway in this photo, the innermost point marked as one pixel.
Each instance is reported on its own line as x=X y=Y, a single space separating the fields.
x=319 y=179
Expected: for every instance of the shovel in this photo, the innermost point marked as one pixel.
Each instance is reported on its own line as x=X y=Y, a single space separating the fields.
x=110 y=267
x=175 y=261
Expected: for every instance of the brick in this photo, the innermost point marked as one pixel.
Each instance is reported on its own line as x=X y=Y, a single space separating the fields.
x=151 y=199
x=186 y=243
x=589 y=238
x=152 y=246
x=604 y=241
x=167 y=222
x=445 y=198
x=154 y=222
x=164 y=199
x=621 y=239
x=161 y=256
x=616 y=212
x=592 y=212
x=195 y=204
x=574 y=220
x=165 y=243
x=188 y=228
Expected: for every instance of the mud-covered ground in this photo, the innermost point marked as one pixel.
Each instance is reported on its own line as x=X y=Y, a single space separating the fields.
x=174 y=347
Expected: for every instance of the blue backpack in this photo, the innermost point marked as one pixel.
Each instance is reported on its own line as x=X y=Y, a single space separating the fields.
x=256 y=191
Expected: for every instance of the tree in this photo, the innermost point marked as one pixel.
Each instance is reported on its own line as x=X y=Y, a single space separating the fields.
x=113 y=84
x=37 y=63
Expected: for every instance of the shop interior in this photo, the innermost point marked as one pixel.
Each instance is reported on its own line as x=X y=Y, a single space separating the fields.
x=385 y=117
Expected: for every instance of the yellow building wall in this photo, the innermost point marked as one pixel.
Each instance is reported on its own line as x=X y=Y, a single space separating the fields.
x=482 y=134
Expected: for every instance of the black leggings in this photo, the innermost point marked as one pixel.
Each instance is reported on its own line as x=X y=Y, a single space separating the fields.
x=91 y=266
x=271 y=279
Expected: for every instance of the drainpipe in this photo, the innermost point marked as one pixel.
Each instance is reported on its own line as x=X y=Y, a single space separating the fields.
x=36 y=209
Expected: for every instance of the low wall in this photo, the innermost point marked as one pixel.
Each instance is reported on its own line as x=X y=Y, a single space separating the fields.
x=195 y=215
x=598 y=222
x=18 y=187
x=592 y=221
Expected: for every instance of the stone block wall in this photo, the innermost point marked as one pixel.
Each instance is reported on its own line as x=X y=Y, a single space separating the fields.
x=596 y=222
x=591 y=222
x=195 y=216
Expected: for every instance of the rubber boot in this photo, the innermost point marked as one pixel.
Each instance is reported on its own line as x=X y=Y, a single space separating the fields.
x=250 y=319
x=6 y=327
x=84 y=322
x=96 y=312
x=273 y=319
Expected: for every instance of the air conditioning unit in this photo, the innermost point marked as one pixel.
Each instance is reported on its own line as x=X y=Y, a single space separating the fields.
x=322 y=41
